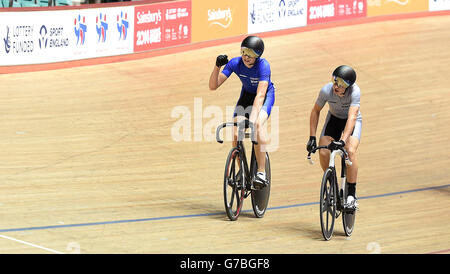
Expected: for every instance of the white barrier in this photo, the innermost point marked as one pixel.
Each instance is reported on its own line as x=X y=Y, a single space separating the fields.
x=64 y=35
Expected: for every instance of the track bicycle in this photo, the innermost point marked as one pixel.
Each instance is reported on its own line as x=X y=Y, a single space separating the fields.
x=239 y=176
x=332 y=202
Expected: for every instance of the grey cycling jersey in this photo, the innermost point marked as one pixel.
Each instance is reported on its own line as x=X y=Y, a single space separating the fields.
x=339 y=106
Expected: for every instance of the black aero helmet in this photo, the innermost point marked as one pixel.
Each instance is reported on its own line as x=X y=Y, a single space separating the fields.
x=344 y=76
x=252 y=46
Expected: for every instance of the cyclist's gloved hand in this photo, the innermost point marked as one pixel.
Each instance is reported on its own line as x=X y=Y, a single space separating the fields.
x=221 y=60
x=337 y=144
x=311 y=143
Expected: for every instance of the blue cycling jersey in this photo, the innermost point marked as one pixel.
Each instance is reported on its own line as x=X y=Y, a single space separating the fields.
x=250 y=77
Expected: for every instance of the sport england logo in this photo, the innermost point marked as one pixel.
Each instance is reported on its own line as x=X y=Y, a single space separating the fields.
x=52 y=37
x=43 y=40
x=80 y=29
x=102 y=27
x=290 y=8
x=122 y=25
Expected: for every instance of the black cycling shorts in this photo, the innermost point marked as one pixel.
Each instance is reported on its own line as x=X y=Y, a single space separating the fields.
x=335 y=127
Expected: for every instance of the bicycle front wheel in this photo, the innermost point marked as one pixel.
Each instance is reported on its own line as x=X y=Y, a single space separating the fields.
x=328 y=203
x=233 y=185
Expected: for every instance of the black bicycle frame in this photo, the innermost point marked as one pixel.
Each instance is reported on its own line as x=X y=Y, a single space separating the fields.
x=344 y=159
x=240 y=144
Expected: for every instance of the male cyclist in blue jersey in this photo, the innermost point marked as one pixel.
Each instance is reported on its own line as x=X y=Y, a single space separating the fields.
x=342 y=124
x=257 y=94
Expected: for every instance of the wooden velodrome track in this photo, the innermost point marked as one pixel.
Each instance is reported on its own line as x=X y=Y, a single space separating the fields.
x=89 y=161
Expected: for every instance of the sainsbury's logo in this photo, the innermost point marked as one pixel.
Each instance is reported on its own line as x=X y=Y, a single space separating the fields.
x=149 y=17
x=377 y=3
x=222 y=18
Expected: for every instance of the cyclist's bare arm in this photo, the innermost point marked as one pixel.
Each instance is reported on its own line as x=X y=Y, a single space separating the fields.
x=216 y=78
x=314 y=119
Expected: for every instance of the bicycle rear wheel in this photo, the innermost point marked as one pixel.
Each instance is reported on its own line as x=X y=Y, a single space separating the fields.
x=328 y=203
x=260 y=198
x=233 y=185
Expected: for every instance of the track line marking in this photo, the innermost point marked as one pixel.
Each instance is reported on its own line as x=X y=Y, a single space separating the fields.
x=30 y=244
x=207 y=214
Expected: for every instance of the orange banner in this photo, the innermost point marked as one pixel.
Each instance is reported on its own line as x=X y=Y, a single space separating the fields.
x=385 y=7
x=215 y=19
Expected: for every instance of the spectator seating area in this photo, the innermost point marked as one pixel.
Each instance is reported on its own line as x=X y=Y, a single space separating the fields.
x=37 y=3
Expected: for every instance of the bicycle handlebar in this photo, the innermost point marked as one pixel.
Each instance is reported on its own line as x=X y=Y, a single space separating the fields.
x=241 y=126
x=347 y=160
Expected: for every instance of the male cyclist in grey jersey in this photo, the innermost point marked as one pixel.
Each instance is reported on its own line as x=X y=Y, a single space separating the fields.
x=342 y=124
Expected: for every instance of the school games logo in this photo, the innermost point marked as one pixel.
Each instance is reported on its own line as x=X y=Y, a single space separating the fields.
x=80 y=29
x=122 y=25
x=102 y=27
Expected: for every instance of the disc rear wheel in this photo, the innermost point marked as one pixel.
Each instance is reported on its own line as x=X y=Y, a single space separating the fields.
x=348 y=220
x=260 y=198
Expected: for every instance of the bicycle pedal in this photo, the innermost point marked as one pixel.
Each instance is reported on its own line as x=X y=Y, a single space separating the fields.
x=259 y=186
x=252 y=187
x=350 y=209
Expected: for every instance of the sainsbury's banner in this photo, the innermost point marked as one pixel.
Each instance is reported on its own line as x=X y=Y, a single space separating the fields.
x=215 y=19
x=162 y=25
x=386 y=7
x=435 y=5
x=269 y=15
x=55 y=36
x=322 y=11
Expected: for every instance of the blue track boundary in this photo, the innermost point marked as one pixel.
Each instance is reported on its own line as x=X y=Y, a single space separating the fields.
x=204 y=214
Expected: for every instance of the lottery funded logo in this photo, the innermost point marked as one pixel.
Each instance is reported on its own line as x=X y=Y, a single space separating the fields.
x=19 y=39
